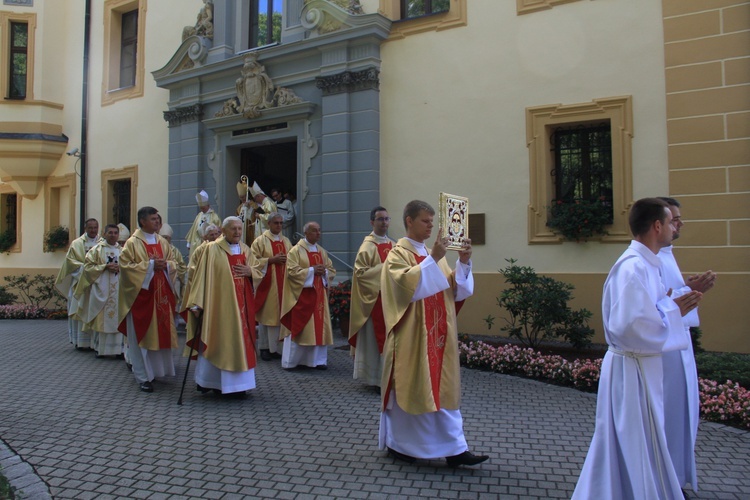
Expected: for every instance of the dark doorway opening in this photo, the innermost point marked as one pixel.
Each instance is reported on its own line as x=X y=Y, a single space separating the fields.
x=271 y=166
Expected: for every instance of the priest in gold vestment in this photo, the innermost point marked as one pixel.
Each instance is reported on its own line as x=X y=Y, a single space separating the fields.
x=98 y=288
x=270 y=250
x=67 y=280
x=146 y=301
x=305 y=317
x=367 y=324
x=421 y=384
x=221 y=295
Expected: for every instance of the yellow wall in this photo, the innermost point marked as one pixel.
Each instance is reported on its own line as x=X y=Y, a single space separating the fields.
x=453 y=113
x=707 y=67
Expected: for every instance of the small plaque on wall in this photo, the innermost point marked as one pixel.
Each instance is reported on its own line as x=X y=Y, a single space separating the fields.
x=476 y=229
x=25 y=3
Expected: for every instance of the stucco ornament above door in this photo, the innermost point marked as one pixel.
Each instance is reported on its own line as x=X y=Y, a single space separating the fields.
x=256 y=92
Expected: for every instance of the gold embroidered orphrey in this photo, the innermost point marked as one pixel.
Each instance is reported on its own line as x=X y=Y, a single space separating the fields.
x=453 y=217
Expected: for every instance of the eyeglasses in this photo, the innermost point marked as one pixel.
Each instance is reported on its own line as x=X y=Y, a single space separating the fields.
x=383 y=219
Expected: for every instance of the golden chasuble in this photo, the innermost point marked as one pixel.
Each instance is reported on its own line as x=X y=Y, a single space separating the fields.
x=366 y=301
x=304 y=310
x=228 y=326
x=152 y=308
x=74 y=260
x=194 y=235
x=269 y=289
x=421 y=362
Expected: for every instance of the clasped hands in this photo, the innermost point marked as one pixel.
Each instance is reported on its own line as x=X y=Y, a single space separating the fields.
x=278 y=258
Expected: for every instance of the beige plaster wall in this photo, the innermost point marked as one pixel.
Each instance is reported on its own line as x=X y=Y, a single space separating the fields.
x=133 y=131
x=453 y=104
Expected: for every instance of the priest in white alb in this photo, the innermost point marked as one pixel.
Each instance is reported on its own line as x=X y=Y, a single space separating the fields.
x=628 y=457
x=681 y=395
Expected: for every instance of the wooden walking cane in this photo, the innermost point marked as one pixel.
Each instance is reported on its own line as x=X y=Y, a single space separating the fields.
x=196 y=337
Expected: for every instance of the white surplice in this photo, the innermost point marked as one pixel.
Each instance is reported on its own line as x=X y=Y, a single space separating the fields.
x=681 y=396
x=628 y=457
x=436 y=434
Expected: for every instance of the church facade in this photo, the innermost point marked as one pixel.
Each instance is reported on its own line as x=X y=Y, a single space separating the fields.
x=353 y=104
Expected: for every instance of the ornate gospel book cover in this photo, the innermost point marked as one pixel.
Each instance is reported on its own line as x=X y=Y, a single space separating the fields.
x=453 y=217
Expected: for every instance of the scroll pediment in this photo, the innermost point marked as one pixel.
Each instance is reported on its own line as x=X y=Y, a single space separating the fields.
x=190 y=54
x=325 y=16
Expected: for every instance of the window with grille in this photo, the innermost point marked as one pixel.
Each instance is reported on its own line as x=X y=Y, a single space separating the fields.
x=121 y=205
x=9 y=220
x=128 y=48
x=583 y=163
x=417 y=8
x=19 y=56
x=265 y=23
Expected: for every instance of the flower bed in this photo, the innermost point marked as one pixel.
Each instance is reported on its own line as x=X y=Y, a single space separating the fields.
x=726 y=403
x=17 y=311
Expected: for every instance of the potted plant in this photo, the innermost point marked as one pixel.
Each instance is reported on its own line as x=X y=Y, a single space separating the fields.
x=339 y=303
x=56 y=238
x=577 y=220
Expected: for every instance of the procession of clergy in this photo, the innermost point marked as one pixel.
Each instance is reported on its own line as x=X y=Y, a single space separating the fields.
x=403 y=333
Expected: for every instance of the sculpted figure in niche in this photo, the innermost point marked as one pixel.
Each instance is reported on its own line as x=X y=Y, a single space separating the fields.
x=254 y=87
x=204 y=26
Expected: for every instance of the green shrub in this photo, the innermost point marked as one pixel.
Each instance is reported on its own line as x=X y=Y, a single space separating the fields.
x=722 y=366
x=538 y=308
x=38 y=291
x=7 y=298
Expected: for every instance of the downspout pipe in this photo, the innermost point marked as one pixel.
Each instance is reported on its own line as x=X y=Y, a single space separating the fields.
x=84 y=112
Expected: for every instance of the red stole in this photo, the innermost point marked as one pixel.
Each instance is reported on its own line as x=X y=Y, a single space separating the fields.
x=158 y=300
x=436 y=324
x=243 y=291
x=274 y=271
x=311 y=304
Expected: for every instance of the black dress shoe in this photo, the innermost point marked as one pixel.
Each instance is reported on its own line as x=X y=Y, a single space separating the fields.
x=265 y=355
x=147 y=387
x=400 y=456
x=321 y=367
x=275 y=355
x=465 y=458
x=201 y=389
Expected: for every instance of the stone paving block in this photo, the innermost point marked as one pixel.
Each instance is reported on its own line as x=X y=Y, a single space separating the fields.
x=536 y=434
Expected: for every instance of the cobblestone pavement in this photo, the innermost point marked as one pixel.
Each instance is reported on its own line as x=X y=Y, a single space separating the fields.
x=74 y=426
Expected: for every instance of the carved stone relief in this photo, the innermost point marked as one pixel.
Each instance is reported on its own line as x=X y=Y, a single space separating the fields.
x=256 y=92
